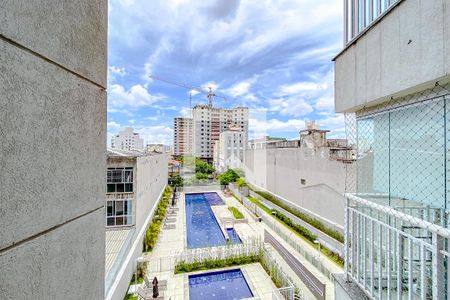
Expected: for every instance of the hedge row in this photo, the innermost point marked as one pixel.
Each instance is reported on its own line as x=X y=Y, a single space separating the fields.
x=216 y=263
x=298 y=228
x=152 y=232
x=313 y=222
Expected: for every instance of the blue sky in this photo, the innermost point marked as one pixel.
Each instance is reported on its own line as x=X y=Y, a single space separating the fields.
x=272 y=56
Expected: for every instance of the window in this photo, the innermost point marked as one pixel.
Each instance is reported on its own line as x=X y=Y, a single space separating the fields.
x=119 y=213
x=119 y=180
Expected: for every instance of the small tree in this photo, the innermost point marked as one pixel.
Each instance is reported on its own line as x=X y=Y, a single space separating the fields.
x=240 y=182
x=228 y=176
x=177 y=181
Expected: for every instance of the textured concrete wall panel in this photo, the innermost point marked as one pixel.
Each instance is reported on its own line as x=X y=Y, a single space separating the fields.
x=52 y=133
x=71 y=33
x=408 y=48
x=65 y=263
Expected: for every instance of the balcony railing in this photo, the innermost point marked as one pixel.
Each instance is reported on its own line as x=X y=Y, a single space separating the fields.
x=391 y=254
x=361 y=14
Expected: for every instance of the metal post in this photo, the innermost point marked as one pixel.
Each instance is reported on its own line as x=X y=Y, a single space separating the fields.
x=347 y=236
x=399 y=266
x=423 y=274
x=438 y=267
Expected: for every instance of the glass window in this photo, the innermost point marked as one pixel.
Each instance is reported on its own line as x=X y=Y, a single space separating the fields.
x=119 y=213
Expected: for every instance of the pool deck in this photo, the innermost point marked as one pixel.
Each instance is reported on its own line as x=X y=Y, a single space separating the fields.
x=173 y=241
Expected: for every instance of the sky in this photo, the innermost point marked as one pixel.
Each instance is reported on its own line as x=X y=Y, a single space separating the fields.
x=274 y=56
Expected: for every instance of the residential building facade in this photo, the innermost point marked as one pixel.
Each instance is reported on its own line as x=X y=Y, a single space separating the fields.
x=127 y=139
x=160 y=148
x=134 y=183
x=393 y=83
x=209 y=122
x=308 y=173
x=182 y=136
x=229 y=149
x=53 y=82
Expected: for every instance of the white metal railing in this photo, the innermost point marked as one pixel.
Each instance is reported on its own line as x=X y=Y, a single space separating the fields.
x=283 y=293
x=250 y=246
x=360 y=14
x=392 y=254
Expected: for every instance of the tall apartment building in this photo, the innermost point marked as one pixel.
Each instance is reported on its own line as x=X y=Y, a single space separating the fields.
x=134 y=182
x=393 y=83
x=127 y=139
x=209 y=122
x=53 y=66
x=229 y=149
x=182 y=136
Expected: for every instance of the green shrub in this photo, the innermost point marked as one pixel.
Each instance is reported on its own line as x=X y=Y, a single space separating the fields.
x=216 y=263
x=228 y=176
x=236 y=213
x=151 y=235
x=240 y=182
x=313 y=222
x=201 y=176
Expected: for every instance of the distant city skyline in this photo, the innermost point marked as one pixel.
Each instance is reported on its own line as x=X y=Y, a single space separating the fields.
x=275 y=59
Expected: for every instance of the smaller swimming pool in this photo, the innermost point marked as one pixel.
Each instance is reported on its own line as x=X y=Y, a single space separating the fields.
x=220 y=285
x=233 y=236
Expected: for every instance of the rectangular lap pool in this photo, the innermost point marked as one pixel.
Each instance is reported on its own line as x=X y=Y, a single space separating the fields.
x=221 y=285
x=202 y=228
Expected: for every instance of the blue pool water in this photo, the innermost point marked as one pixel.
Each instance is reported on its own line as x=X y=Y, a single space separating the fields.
x=202 y=228
x=222 y=285
x=233 y=236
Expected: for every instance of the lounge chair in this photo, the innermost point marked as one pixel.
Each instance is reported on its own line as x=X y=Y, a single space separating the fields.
x=169 y=226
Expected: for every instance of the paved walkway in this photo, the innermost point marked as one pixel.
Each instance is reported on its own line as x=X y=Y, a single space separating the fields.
x=314 y=285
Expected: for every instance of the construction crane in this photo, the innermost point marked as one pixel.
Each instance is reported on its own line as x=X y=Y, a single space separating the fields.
x=209 y=93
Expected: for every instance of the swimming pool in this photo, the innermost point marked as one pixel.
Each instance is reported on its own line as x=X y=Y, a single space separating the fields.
x=202 y=228
x=233 y=236
x=221 y=285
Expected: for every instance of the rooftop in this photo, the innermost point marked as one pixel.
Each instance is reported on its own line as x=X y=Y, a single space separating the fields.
x=112 y=152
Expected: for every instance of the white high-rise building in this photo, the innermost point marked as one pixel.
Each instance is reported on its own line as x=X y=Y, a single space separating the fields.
x=127 y=139
x=209 y=122
x=229 y=149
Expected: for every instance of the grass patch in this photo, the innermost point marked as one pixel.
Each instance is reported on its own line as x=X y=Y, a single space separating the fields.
x=151 y=235
x=236 y=213
x=313 y=222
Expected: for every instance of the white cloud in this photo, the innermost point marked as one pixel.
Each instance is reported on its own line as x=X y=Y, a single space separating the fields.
x=136 y=96
x=292 y=106
x=156 y=134
x=210 y=84
x=239 y=89
x=193 y=92
x=117 y=70
x=132 y=121
x=259 y=126
x=325 y=103
x=113 y=125
x=301 y=87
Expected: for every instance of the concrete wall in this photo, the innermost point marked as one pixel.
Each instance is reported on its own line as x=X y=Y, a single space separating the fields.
x=407 y=51
x=151 y=173
x=151 y=177
x=280 y=171
x=53 y=95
